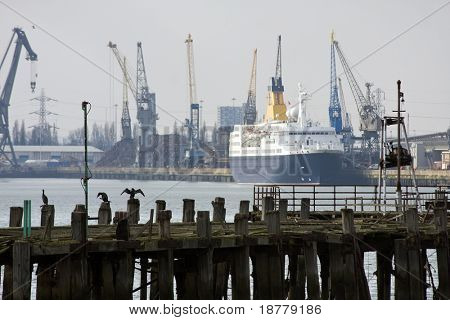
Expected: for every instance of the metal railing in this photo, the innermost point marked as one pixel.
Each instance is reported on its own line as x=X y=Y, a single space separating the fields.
x=334 y=198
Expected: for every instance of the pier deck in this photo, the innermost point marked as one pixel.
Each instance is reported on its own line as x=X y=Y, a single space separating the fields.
x=99 y=261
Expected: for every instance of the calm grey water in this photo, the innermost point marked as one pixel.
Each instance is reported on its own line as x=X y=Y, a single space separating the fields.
x=65 y=193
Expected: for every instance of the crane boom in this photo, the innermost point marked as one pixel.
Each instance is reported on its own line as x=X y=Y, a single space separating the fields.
x=125 y=119
x=346 y=121
x=250 y=106
x=123 y=67
x=5 y=98
x=354 y=87
x=191 y=70
x=334 y=110
x=370 y=120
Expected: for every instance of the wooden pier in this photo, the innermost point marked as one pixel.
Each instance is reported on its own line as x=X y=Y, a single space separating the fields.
x=272 y=254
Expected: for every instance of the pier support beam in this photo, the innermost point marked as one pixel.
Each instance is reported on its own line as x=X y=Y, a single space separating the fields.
x=240 y=271
x=297 y=279
x=15 y=221
x=409 y=277
x=442 y=249
x=45 y=271
x=165 y=258
x=21 y=270
x=269 y=263
x=205 y=275
x=384 y=273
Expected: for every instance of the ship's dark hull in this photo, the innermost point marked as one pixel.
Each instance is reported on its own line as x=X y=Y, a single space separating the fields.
x=312 y=168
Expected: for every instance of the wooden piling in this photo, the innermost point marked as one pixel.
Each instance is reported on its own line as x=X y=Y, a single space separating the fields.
x=275 y=260
x=154 y=286
x=79 y=276
x=219 y=211
x=45 y=270
x=21 y=270
x=188 y=210
x=355 y=281
x=144 y=279
x=163 y=217
x=133 y=207
x=282 y=208
x=312 y=274
x=305 y=208
x=205 y=277
x=47 y=213
x=297 y=279
x=79 y=223
x=415 y=262
x=104 y=213
x=220 y=269
x=268 y=204
x=15 y=221
x=165 y=258
x=384 y=273
x=442 y=249
x=240 y=271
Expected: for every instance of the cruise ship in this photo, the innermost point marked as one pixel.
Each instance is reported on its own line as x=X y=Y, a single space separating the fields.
x=285 y=148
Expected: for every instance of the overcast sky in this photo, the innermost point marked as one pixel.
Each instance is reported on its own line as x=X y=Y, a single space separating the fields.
x=225 y=34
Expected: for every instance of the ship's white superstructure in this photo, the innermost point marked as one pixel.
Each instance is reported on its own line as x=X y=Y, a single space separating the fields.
x=292 y=151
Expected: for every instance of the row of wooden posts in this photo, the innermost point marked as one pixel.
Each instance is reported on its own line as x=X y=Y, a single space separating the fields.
x=202 y=270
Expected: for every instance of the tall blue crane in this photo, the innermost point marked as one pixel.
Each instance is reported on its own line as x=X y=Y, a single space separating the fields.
x=334 y=110
x=22 y=41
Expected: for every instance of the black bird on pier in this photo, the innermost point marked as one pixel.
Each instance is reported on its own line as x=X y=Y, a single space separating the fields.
x=44 y=198
x=132 y=192
x=104 y=197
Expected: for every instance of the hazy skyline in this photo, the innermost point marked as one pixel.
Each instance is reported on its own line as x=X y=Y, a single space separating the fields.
x=225 y=34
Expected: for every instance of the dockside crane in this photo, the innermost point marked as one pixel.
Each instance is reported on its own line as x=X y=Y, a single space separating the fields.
x=194 y=155
x=22 y=41
x=146 y=113
x=347 y=127
x=146 y=105
x=250 y=105
x=370 y=119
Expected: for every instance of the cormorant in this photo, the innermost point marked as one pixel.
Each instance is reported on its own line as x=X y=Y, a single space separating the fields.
x=132 y=192
x=104 y=197
x=44 y=198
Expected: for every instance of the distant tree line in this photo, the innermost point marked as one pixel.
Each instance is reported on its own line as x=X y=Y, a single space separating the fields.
x=100 y=136
x=38 y=135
